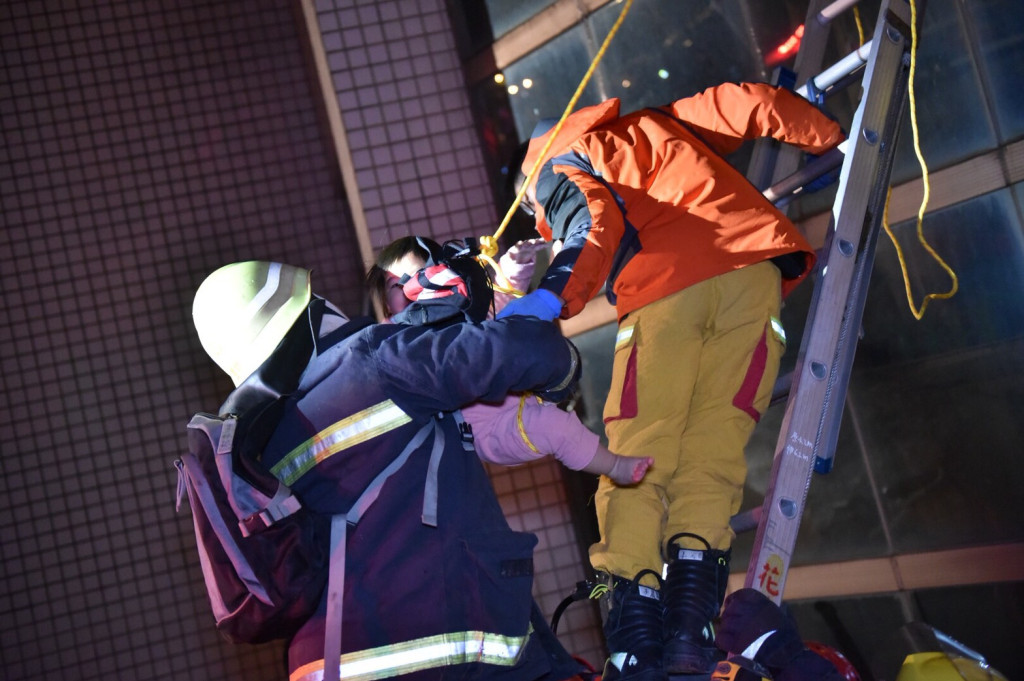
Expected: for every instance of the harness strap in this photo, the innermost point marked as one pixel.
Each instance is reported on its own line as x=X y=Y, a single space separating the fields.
x=335 y=597
x=339 y=531
x=203 y=498
x=430 y=489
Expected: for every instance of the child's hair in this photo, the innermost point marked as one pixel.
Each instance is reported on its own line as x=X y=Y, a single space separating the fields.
x=377 y=275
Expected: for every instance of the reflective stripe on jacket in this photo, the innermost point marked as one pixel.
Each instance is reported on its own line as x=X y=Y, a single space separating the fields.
x=429 y=653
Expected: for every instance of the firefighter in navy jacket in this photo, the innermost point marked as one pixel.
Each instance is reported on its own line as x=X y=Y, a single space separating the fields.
x=422 y=600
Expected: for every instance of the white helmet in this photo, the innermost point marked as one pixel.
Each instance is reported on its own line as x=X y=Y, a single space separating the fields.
x=242 y=312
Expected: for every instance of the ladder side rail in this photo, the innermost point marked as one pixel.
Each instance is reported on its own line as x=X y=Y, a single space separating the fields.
x=815 y=374
x=853 y=316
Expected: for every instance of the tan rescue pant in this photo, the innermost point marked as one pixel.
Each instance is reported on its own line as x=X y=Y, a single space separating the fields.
x=692 y=374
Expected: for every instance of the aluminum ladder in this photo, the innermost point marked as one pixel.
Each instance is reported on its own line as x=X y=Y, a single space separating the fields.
x=818 y=383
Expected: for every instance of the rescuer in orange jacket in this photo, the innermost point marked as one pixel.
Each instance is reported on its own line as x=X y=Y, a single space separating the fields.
x=696 y=262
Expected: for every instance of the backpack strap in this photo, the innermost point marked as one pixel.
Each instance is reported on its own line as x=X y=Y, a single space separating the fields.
x=339 y=532
x=190 y=471
x=282 y=505
x=465 y=431
x=189 y=468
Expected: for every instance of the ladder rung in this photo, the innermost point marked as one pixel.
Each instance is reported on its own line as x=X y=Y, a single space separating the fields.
x=783 y=191
x=780 y=393
x=837 y=71
x=829 y=13
x=746 y=521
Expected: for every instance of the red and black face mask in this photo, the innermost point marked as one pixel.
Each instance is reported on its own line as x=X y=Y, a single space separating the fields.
x=454 y=285
x=433 y=282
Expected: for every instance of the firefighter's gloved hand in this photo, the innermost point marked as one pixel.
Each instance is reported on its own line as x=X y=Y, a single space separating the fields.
x=753 y=626
x=542 y=304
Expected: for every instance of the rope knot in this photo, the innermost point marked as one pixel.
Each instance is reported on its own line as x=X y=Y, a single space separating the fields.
x=488 y=246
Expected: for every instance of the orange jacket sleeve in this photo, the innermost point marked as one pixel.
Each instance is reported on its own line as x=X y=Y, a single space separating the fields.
x=591 y=237
x=726 y=115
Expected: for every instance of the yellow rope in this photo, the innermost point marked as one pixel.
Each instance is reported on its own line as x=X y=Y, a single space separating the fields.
x=918 y=314
x=489 y=244
x=502 y=284
x=522 y=426
x=860 y=26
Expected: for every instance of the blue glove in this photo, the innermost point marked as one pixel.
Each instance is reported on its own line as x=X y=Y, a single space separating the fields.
x=542 y=304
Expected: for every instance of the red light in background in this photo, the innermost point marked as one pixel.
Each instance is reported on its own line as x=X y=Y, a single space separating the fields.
x=788 y=48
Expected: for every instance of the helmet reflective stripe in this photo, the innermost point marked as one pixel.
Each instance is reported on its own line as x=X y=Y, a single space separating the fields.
x=431 y=652
x=242 y=312
x=350 y=431
x=263 y=296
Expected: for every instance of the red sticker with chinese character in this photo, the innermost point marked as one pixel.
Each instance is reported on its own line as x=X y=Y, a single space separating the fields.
x=769 y=579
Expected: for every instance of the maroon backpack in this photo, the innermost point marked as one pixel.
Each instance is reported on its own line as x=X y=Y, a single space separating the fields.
x=264 y=557
x=266 y=560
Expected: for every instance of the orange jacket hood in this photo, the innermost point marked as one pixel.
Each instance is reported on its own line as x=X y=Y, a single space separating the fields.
x=572 y=127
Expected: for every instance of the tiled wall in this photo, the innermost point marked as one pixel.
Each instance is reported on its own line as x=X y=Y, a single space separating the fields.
x=146 y=143
x=400 y=89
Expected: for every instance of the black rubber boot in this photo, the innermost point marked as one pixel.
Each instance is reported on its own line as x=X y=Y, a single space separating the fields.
x=694 y=586
x=633 y=631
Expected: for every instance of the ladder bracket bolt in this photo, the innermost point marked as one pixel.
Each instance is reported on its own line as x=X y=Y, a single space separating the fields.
x=787 y=507
x=870 y=136
x=893 y=34
x=818 y=370
x=846 y=247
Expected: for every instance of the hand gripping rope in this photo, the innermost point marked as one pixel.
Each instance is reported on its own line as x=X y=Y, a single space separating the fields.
x=489 y=244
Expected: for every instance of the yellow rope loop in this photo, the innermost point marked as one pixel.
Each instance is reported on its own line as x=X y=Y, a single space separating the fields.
x=522 y=426
x=860 y=26
x=501 y=283
x=918 y=314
